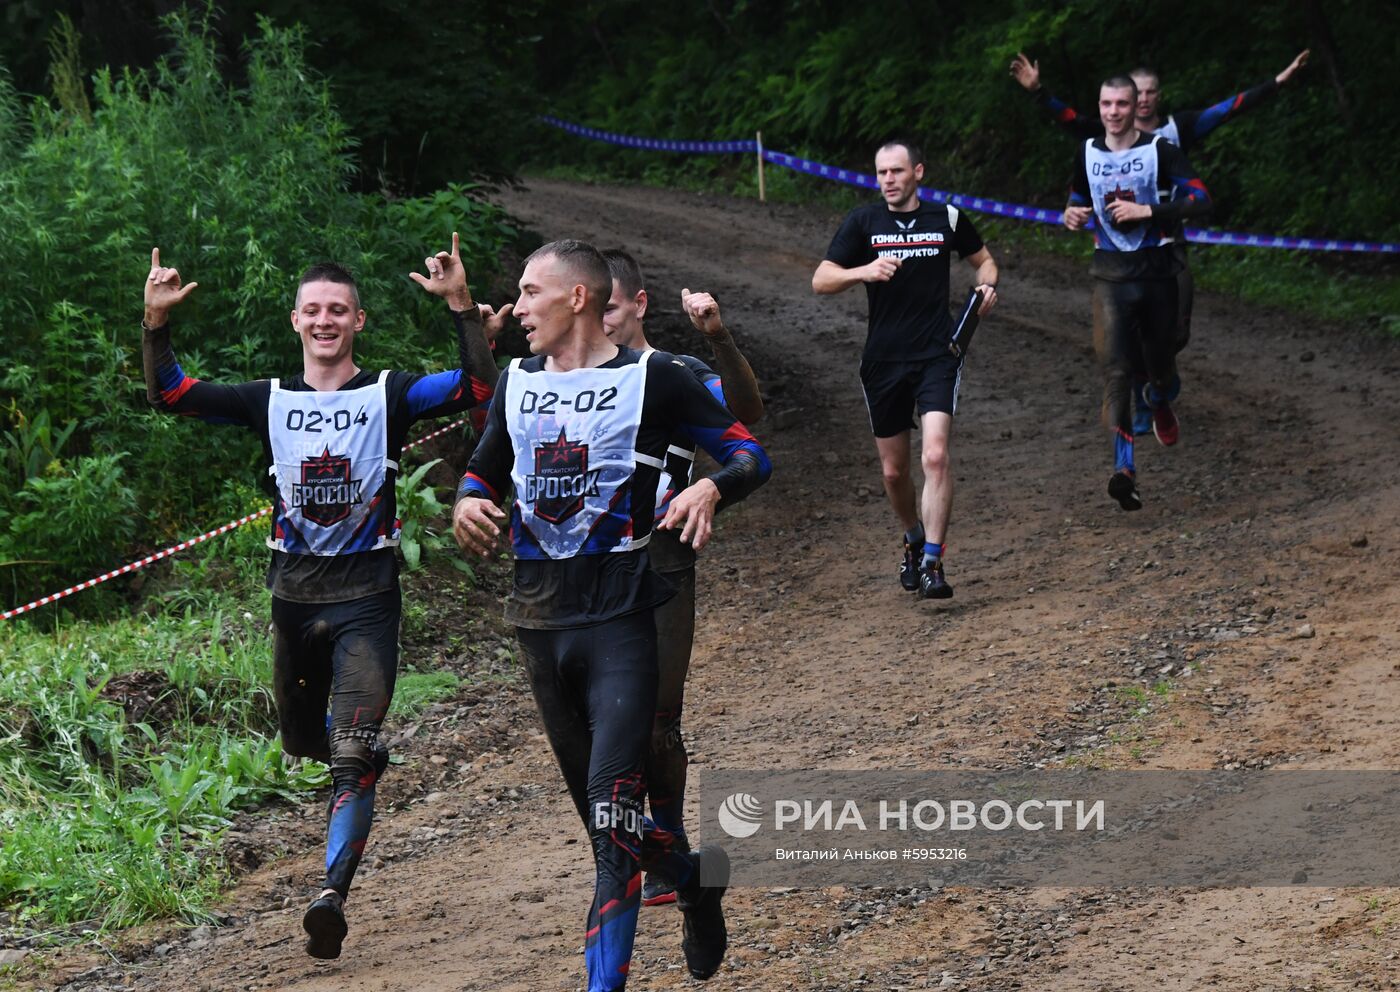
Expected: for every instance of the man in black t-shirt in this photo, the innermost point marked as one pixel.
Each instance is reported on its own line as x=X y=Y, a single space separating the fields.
x=900 y=250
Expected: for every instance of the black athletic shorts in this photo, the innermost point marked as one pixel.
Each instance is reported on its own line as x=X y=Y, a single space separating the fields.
x=894 y=389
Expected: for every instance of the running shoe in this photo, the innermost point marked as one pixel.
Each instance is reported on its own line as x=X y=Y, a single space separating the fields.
x=325 y=926
x=655 y=892
x=909 y=567
x=932 y=585
x=1123 y=488
x=704 y=938
x=1165 y=425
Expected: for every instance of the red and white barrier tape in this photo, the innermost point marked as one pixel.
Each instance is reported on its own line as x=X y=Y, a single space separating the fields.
x=177 y=548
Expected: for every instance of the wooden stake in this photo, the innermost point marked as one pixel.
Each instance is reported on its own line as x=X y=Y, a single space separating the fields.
x=759 y=136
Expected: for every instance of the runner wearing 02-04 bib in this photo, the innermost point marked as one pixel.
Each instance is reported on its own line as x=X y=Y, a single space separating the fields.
x=580 y=430
x=327 y=502
x=1138 y=188
x=731 y=382
x=331 y=438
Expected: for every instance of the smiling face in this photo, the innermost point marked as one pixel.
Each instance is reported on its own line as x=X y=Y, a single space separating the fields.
x=898 y=176
x=1117 y=107
x=622 y=317
x=549 y=301
x=327 y=318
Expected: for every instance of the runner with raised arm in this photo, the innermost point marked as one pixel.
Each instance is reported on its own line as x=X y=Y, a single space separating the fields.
x=331 y=437
x=1138 y=187
x=580 y=429
x=900 y=250
x=1185 y=129
x=731 y=382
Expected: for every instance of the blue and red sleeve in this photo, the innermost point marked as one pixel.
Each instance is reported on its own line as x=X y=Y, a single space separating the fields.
x=170 y=388
x=488 y=471
x=1199 y=123
x=744 y=465
x=1067 y=117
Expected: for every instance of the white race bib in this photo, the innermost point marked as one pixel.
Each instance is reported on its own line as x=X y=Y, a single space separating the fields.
x=575 y=437
x=330 y=459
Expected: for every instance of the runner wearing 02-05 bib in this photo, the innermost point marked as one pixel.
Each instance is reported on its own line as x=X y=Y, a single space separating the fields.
x=731 y=382
x=1138 y=188
x=1186 y=129
x=331 y=438
x=580 y=430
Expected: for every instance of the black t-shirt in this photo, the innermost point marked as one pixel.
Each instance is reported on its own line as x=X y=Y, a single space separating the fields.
x=909 y=317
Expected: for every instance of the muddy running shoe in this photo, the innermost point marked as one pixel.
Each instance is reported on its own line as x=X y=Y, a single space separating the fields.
x=655 y=892
x=325 y=926
x=1123 y=488
x=932 y=585
x=909 y=567
x=1165 y=425
x=704 y=938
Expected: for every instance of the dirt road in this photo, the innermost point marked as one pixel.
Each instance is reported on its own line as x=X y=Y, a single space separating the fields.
x=1256 y=590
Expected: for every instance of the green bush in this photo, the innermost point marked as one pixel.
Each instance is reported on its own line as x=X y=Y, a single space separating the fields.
x=241 y=187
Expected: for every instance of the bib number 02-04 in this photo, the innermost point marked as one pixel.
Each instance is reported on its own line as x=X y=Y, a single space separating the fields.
x=312 y=421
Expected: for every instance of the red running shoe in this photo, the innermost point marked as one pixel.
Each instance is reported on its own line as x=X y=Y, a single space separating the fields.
x=1165 y=425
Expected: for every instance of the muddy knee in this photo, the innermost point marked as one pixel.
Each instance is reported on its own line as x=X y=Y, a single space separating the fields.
x=357 y=758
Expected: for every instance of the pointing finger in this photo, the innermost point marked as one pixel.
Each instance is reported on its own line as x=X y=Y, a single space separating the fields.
x=455 y=249
x=155 y=258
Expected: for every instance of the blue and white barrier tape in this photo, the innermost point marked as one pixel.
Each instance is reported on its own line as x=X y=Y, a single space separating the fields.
x=980 y=204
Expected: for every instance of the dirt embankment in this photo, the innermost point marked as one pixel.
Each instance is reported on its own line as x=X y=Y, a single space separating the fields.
x=1257 y=588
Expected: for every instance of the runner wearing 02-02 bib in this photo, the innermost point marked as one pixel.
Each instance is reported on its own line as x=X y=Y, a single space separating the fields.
x=581 y=429
x=731 y=382
x=1138 y=188
x=331 y=438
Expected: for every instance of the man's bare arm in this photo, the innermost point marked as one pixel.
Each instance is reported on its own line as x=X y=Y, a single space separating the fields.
x=832 y=278
x=741 y=393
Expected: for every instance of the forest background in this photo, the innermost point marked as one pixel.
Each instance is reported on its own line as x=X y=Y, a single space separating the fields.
x=249 y=139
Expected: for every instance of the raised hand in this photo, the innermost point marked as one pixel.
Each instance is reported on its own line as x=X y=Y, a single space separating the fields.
x=447 y=277
x=1026 y=72
x=1298 y=63
x=163 y=291
x=493 y=321
x=703 y=312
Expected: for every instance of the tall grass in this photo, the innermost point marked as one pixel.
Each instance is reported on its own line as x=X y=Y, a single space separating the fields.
x=241 y=186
